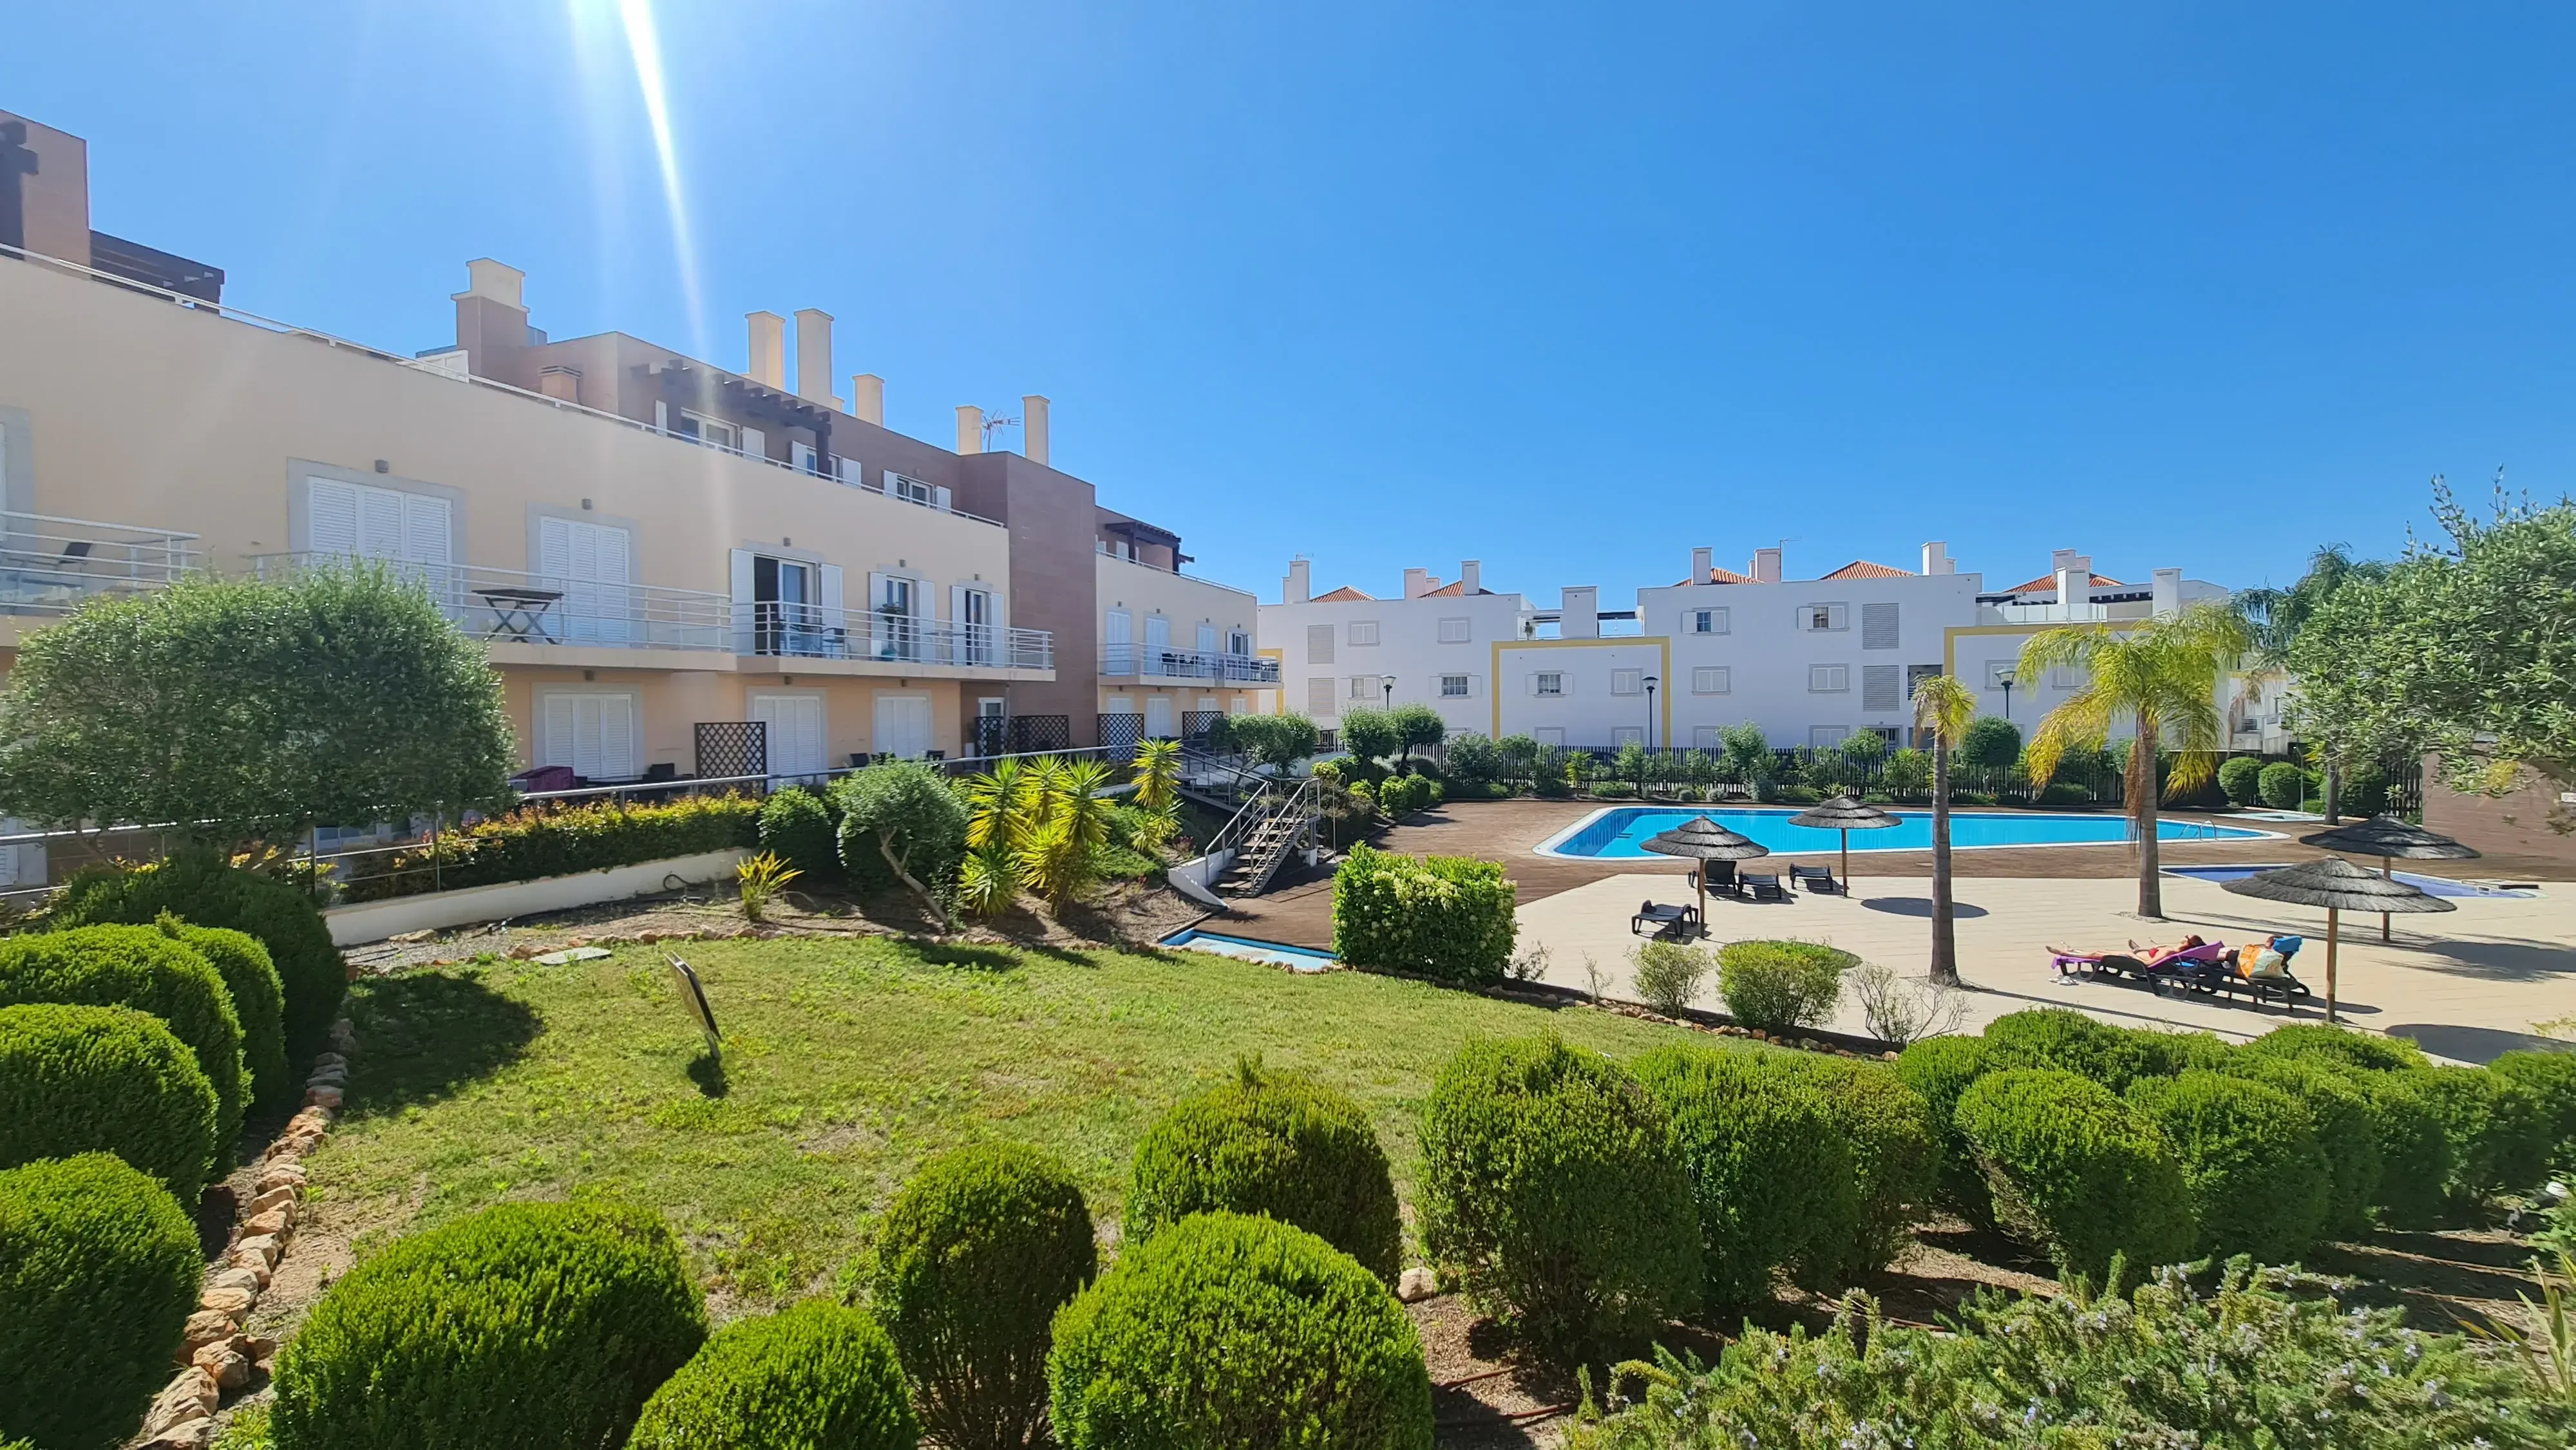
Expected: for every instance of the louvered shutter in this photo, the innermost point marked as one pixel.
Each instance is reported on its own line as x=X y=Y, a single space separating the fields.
x=1878 y=687
x=1878 y=626
x=555 y=738
x=1319 y=644
x=331 y=516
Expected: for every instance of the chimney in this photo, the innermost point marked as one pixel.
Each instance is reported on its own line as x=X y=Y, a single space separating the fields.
x=1936 y=559
x=1471 y=577
x=558 y=381
x=1033 y=428
x=492 y=320
x=970 y=429
x=1703 y=563
x=2060 y=559
x=1579 y=612
x=1766 y=566
x=496 y=282
x=768 y=362
x=2168 y=593
x=814 y=357
x=2074 y=578
x=1299 y=585
x=867 y=398
x=1417 y=582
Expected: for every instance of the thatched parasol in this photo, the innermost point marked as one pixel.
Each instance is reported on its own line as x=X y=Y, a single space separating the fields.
x=2339 y=886
x=1844 y=814
x=1702 y=839
x=2391 y=840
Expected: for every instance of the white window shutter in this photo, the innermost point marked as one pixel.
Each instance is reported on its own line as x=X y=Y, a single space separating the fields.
x=617 y=737
x=755 y=444
x=939 y=498
x=554 y=741
x=425 y=529
x=661 y=417
x=380 y=523
x=331 y=516
x=740 y=561
x=554 y=551
x=831 y=592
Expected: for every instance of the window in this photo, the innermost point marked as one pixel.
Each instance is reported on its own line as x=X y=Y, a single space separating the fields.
x=1551 y=736
x=591 y=732
x=366 y=522
x=1627 y=682
x=589 y=564
x=1453 y=631
x=1711 y=680
x=714 y=431
x=1995 y=672
x=1627 y=735
x=1819 y=618
x=1828 y=679
x=1363 y=632
x=1708 y=737
x=1366 y=687
x=913 y=490
x=1319 y=695
x=1547 y=682
x=2066 y=677
x=1878 y=687
x=1826 y=737
x=1878 y=626
x=1704 y=621
x=1238 y=642
x=1453 y=687
x=1319 y=644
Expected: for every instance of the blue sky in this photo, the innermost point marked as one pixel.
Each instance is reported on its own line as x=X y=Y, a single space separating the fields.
x=1392 y=285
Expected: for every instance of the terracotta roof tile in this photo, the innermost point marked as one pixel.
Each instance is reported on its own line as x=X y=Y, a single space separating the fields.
x=1723 y=576
x=1864 y=569
x=2049 y=582
x=1343 y=595
x=1454 y=589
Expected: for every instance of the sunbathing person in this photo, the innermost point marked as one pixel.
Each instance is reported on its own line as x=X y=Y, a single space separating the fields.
x=2269 y=957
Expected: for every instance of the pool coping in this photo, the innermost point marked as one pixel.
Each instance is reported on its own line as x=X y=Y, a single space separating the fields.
x=1548 y=847
x=1198 y=933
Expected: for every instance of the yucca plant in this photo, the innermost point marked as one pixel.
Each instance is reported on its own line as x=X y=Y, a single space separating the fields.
x=988 y=880
x=2548 y=1356
x=992 y=801
x=1055 y=864
x=761 y=878
x=1157 y=773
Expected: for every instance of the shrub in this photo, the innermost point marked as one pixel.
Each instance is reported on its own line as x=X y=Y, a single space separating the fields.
x=1271 y=1144
x=2365 y=791
x=2339 y=1047
x=530 y=1326
x=109 y=1080
x=2171 y=1054
x=2062 y=1038
x=2282 y=786
x=2257 y=1180
x=1448 y=917
x=2341 y=1110
x=797 y=826
x=2414 y=1150
x=2064 y=793
x=1474 y=759
x=1895 y=1150
x=1779 y=986
x=2550 y=1078
x=1668 y=974
x=900 y=822
x=973 y=1259
x=1991 y=743
x=259 y=1001
x=1551 y=1186
x=1908 y=772
x=98 y=1271
x=535 y=842
x=814 y=1376
x=2499 y=1139
x=2075 y=1170
x=1771 y=1175
x=1941 y=1070
x=1228 y=1330
x=2239 y=776
x=200 y=888
x=138 y=967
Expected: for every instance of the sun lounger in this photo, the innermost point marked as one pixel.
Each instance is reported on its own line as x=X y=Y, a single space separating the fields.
x=1817 y=879
x=1720 y=878
x=1662 y=918
x=1764 y=885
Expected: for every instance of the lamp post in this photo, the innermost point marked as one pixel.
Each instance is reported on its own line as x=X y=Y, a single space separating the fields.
x=1387 y=684
x=1651 y=682
x=2005 y=679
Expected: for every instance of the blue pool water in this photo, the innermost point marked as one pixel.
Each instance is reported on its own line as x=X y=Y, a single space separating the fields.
x=1277 y=954
x=1619 y=833
x=2429 y=885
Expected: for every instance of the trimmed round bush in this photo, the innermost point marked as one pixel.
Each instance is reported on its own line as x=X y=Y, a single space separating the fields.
x=528 y=1326
x=258 y=1001
x=2077 y=1171
x=2062 y=1038
x=2499 y=1139
x=1233 y=1330
x=2238 y=776
x=98 y=1272
x=2414 y=1148
x=200 y=887
x=2341 y=1110
x=1941 y=1070
x=138 y=967
x=1552 y=1188
x=1771 y=1173
x=2339 y=1046
x=1780 y=986
x=2257 y=1179
x=2550 y=1078
x=797 y=825
x=814 y=1376
x=79 y=1080
x=2283 y=786
x=974 y=1258
x=2171 y=1054
x=1273 y=1144
x=1895 y=1149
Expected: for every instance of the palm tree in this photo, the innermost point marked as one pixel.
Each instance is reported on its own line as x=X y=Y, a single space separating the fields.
x=1945 y=708
x=1157 y=774
x=2161 y=675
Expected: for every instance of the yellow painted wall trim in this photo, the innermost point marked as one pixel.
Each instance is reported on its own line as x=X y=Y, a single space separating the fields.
x=1663 y=644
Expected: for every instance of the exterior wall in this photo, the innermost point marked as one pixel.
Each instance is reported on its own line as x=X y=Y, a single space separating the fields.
x=2510 y=825
x=1768 y=657
x=1409 y=647
x=54 y=196
x=670 y=703
x=1050 y=516
x=1127 y=682
x=1591 y=711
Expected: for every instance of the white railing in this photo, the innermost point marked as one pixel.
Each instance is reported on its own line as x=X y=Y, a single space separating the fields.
x=1151 y=661
x=811 y=631
x=49 y=565
x=2047 y=613
x=513 y=606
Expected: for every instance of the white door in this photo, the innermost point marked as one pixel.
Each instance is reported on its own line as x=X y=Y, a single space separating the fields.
x=795 y=733
x=590 y=564
x=594 y=734
x=1207 y=643
x=1158 y=717
x=1158 y=645
x=903 y=725
x=1117 y=643
x=408 y=530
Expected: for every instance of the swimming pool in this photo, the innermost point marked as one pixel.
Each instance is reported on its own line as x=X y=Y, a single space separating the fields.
x=1277 y=954
x=1618 y=832
x=2429 y=885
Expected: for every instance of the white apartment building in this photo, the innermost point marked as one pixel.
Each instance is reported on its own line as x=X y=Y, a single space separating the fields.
x=1432 y=644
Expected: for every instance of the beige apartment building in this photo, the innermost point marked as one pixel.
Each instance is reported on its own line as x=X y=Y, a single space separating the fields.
x=659 y=551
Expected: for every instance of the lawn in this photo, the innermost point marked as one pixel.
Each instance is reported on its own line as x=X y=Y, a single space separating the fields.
x=847 y=1062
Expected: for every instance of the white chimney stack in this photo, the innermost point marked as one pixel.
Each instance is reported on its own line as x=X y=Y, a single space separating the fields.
x=1417 y=582
x=814 y=357
x=1766 y=566
x=1936 y=559
x=1703 y=563
x=970 y=429
x=1033 y=428
x=867 y=398
x=1299 y=586
x=1471 y=577
x=1579 y=611
x=2168 y=592
x=2074 y=580
x=768 y=363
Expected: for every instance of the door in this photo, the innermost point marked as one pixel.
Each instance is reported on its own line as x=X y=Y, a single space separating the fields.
x=978 y=642
x=594 y=734
x=1118 y=643
x=898 y=617
x=795 y=724
x=903 y=726
x=1158 y=717
x=1158 y=645
x=410 y=531
x=589 y=564
x=1209 y=666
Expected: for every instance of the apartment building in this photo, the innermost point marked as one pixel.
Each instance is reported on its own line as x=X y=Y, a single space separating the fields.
x=660 y=551
x=1432 y=643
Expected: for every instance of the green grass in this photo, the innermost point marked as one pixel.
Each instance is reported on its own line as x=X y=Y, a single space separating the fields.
x=847 y=1062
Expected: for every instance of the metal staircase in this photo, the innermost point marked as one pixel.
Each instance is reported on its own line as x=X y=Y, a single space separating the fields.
x=1270 y=825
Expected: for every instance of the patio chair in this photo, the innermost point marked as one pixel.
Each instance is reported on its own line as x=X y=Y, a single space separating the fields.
x=1717 y=878
x=1764 y=885
x=2226 y=976
x=1663 y=918
x=1819 y=880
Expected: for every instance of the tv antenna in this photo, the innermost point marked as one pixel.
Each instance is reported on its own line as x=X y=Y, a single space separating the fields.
x=994 y=423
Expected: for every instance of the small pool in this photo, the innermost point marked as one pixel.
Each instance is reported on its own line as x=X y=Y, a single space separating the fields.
x=2429 y=885
x=1619 y=832
x=1277 y=954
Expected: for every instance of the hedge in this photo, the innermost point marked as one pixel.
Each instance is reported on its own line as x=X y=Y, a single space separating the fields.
x=2340 y=1046
x=98 y=1272
x=2500 y=1138
x=1771 y=1173
x=1895 y=1147
x=1231 y=1330
x=1779 y=986
x=2237 y=775
x=2063 y=1038
x=2346 y=1134
x=259 y=1000
x=2550 y=1078
x=200 y=888
x=2282 y=785
x=973 y=1259
x=798 y=826
x=2414 y=1148
x=1448 y=917
x=1941 y=1070
x=2257 y=1179
x=1552 y=1188
x=536 y=842
x=528 y=1326
x=1275 y=1144
x=104 y=1080
x=138 y=967
x=814 y=1376
x=2077 y=1171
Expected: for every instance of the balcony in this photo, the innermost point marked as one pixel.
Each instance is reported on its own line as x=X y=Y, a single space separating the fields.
x=2044 y=613
x=51 y=565
x=809 y=631
x=1162 y=662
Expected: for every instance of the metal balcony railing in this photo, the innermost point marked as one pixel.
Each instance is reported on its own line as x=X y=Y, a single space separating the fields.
x=811 y=631
x=49 y=565
x=2044 y=613
x=1162 y=662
